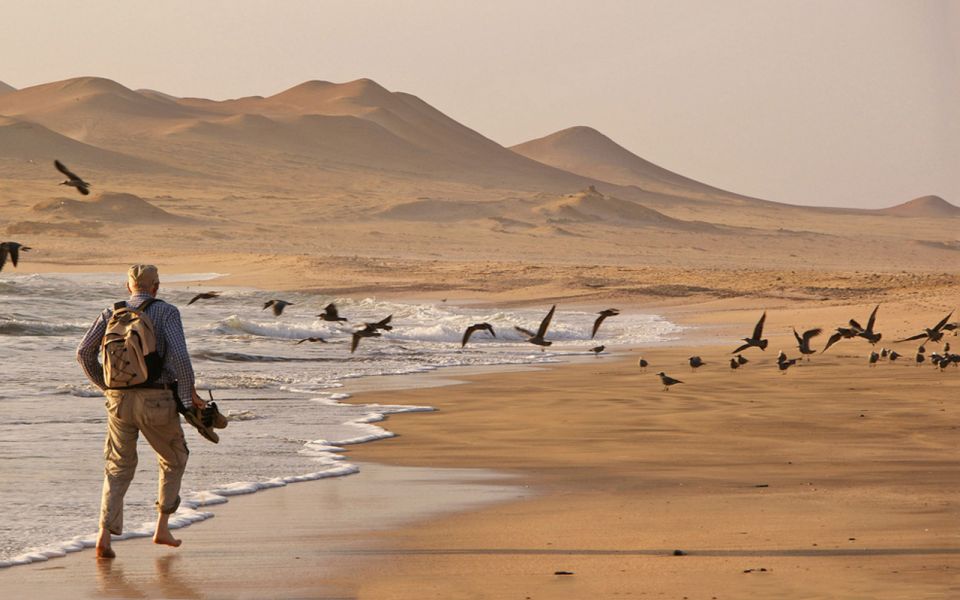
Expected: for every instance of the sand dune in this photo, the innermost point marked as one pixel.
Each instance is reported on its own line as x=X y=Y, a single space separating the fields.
x=5 y=87
x=590 y=206
x=587 y=152
x=110 y=207
x=26 y=142
x=924 y=206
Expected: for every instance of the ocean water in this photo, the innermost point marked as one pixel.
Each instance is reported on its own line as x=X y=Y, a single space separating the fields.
x=282 y=398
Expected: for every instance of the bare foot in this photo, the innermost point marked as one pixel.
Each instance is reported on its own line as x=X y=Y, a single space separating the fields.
x=166 y=539
x=105 y=552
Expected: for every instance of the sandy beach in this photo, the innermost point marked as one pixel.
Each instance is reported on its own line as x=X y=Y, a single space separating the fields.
x=832 y=480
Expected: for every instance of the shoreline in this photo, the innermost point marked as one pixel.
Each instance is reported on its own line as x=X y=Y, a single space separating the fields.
x=778 y=513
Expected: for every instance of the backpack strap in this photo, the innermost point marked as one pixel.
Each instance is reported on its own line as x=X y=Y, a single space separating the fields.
x=119 y=305
x=146 y=303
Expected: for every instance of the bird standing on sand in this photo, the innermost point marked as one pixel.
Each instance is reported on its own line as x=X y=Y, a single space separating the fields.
x=933 y=334
x=784 y=363
x=742 y=360
x=312 y=339
x=803 y=341
x=203 y=296
x=696 y=362
x=72 y=179
x=278 y=306
x=920 y=356
x=598 y=349
x=330 y=313
x=667 y=381
x=734 y=364
x=11 y=249
x=476 y=327
x=893 y=355
x=755 y=340
x=874 y=357
x=537 y=338
x=610 y=312
x=642 y=363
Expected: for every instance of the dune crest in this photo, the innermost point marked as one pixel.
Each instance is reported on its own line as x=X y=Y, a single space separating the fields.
x=6 y=87
x=108 y=206
x=924 y=206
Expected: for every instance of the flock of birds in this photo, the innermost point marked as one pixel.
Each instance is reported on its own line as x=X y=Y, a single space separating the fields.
x=367 y=330
x=852 y=330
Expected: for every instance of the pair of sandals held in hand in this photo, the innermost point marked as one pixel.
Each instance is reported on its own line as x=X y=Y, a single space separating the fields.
x=206 y=419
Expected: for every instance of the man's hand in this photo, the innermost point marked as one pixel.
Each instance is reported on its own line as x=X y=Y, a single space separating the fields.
x=198 y=402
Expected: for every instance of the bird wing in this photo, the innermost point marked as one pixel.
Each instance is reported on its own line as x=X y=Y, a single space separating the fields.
x=542 y=331
x=872 y=319
x=331 y=310
x=194 y=299
x=919 y=336
x=855 y=325
x=3 y=254
x=525 y=332
x=384 y=323
x=741 y=348
x=758 y=330
x=833 y=340
x=303 y=340
x=596 y=324
x=797 y=335
x=811 y=333
x=267 y=304
x=63 y=169
x=938 y=327
x=354 y=342
x=84 y=189
x=490 y=329
x=467 y=334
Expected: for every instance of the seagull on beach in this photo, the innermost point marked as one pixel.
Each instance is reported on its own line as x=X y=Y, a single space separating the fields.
x=784 y=363
x=734 y=364
x=894 y=355
x=610 y=312
x=330 y=313
x=278 y=306
x=667 y=381
x=755 y=340
x=933 y=334
x=598 y=349
x=537 y=338
x=203 y=296
x=642 y=363
x=72 y=179
x=476 y=327
x=11 y=249
x=803 y=341
x=696 y=362
x=742 y=360
x=873 y=358
x=843 y=333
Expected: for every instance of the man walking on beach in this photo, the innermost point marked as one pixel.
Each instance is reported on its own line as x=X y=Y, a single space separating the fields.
x=150 y=408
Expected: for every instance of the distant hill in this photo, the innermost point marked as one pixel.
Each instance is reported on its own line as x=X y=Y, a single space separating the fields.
x=108 y=206
x=585 y=151
x=4 y=88
x=924 y=206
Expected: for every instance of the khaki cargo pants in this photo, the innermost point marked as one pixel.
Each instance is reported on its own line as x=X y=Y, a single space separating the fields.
x=130 y=412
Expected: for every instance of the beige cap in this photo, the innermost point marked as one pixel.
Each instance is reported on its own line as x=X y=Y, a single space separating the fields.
x=143 y=277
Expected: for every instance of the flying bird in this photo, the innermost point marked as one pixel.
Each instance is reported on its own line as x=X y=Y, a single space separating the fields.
x=933 y=334
x=11 y=249
x=867 y=332
x=313 y=339
x=204 y=296
x=370 y=330
x=803 y=341
x=278 y=306
x=476 y=327
x=843 y=333
x=598 y=349
x=330 y=313
x=667 y=381
x=72 y=179
x=784 y=363
x=755 y=340
x=537 y=338
x=610 y=312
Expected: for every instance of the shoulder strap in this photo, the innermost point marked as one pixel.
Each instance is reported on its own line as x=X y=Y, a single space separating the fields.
x=146 y=303
x=119 y=305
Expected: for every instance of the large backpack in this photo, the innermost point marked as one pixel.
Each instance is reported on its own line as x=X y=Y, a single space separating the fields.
x=129 y=348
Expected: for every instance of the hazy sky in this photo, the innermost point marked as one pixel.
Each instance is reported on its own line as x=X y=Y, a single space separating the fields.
x=840 y=102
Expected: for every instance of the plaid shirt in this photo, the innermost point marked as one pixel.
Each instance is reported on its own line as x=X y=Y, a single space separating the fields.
x=171 y=345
